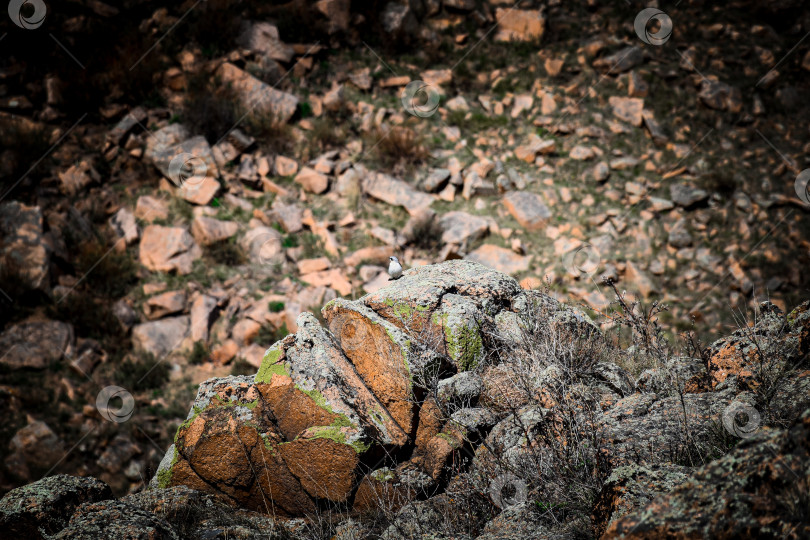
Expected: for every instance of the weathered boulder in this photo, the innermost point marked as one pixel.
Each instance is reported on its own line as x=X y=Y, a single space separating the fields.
x=519 y=521
x=327 y=399
x=35 y=345
x=462 y=389
x=109 y=520
x=501 y=259
x=258 y=97
x=459 y=227
x=166 y=249
x=34 y=448
x=194 y=514
x=632 y=487
x=44 y=507
x=207 y=231
x=160 y=337
x=263 y=37
x=620 y=61
x=217 y=447
x=677 y=373
x=650 y=429
x=753 y=492
x=519 y=24
x=771 y=346
x=312 y=181
x=64 y=506
x=528 y=209
x=508 y=446
x=164 y=304
x=422 y=520
x=396 y=192
x=627 y=109
x=263 y=244
x=380 y=353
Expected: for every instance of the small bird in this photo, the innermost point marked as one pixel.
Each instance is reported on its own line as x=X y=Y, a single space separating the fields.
x=394 y=269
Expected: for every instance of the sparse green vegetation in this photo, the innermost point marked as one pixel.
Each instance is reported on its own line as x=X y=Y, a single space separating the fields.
x=142 y=371
x=225 y=252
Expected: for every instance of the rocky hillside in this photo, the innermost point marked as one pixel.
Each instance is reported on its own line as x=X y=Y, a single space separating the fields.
x=180 y=184
x=453 y=404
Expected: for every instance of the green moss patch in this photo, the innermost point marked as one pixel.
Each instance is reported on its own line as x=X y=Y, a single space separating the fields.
x=329 y=432
x=403 y=310
x=340 y=421
x=360 y=446
x=464 y=344
x=164 y=476
x=271 y=366
x=335 y=432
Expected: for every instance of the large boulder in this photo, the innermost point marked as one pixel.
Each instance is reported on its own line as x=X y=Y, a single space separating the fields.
x=194 y=514
x=166 y=249
x=327 y=400
x=650 y=428
x=64 y=506
x=756 y=491
x=771 y=346
x=113 y=520
x=257 y=97
x=632 y=487
x=35 y=345
x=44 y=507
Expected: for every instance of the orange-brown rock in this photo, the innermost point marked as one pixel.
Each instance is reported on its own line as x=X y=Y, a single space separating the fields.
x=324 y=467
x=431 y=420
x=380 y=353
x=318 y=367
x=380 y=489
x=165 y=249
x=767 y=347
x=325 y=400
x=294 y=411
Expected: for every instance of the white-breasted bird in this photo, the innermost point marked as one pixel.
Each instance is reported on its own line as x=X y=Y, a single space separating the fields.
x=394 y=268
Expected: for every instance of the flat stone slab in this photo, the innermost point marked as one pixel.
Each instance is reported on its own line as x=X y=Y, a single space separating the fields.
x=166 y=249
x=501 y=259
x=160 y=337
x=396 y=192
x=628 y=109
x=258 y=97
x=458 y=227
x=528 y=209
x=34 y=345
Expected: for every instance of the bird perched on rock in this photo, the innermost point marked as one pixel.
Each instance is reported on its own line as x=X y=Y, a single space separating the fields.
x=394 y=268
